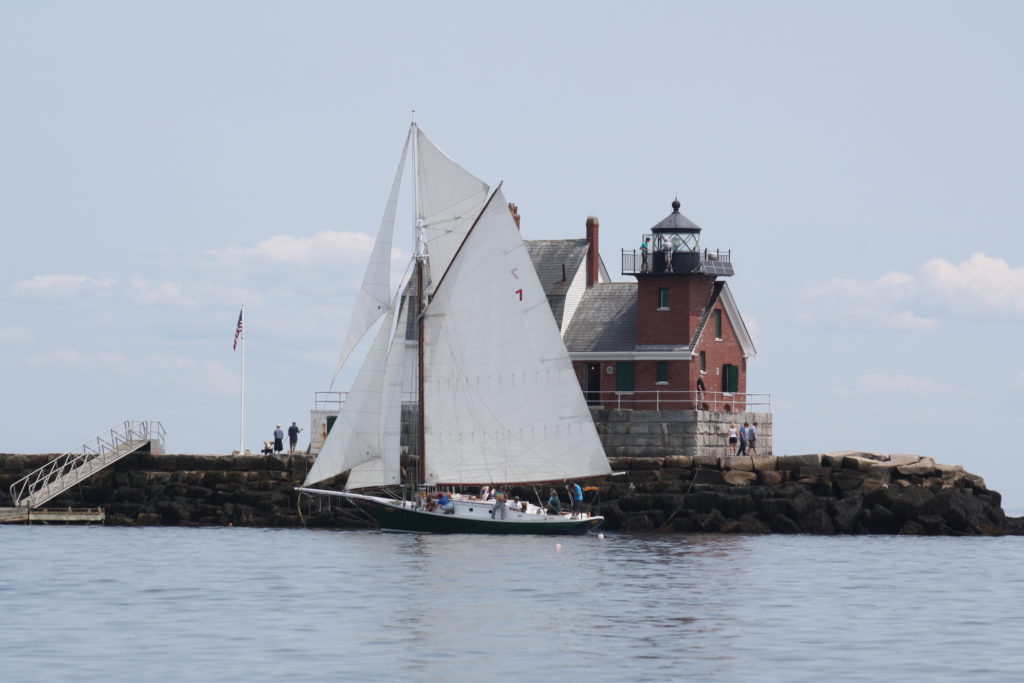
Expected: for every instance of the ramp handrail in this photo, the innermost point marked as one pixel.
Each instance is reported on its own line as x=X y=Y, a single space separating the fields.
x=67 y=466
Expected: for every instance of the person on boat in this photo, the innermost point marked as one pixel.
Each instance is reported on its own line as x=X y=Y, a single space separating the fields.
x=485 y=492
x=515 y=505
x=445 y=504
x=576 y=495
x=499 y=505
x=554 y=503
x=278 y=439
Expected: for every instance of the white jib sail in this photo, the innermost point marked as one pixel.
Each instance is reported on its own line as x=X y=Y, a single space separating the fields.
x=449 y=197
x=355 y=437
x=375 y=292
x=386 y=469
x=502 y=401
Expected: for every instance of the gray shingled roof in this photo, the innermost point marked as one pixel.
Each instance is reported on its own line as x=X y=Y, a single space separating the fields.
x=605 y=319
x=548 y=257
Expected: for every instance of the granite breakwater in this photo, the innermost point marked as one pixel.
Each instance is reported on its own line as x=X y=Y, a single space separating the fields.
x=833 y=493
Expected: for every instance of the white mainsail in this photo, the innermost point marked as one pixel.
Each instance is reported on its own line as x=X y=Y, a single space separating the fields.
x=449 y=197
x=502 y=402
x=356 y=436
x=375 y=292
x=385 y=470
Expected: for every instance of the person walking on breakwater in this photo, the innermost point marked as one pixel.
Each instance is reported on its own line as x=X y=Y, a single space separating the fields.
x=278 y=439
x=293 y=437
x=752 y=438
x=743 y=440
x=733 y=439
x=576 y=496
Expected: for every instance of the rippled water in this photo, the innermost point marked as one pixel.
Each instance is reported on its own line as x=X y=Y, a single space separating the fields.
x=175 y=604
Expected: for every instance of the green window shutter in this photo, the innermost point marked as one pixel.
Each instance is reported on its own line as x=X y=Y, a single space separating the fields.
x=624 y=377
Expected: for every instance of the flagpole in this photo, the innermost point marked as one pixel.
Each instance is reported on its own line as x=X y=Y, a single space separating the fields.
x=241 y=427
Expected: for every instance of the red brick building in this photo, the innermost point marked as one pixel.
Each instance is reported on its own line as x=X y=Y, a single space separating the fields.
x=643 y=345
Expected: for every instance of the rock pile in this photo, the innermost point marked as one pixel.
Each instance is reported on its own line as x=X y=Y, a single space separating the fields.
x=848 y=492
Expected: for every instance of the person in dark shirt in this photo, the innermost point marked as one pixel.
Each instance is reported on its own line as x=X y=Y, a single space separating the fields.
x=293 y=437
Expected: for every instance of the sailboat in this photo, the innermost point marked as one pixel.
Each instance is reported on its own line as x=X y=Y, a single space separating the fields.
x=498 y=404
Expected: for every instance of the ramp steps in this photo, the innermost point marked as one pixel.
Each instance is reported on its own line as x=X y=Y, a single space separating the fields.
x=77 y=465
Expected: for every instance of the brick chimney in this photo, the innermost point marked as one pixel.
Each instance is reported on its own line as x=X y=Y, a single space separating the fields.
x=515 y=213
x=593 y=256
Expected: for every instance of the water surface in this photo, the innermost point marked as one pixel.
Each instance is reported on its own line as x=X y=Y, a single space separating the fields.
x=124 y=604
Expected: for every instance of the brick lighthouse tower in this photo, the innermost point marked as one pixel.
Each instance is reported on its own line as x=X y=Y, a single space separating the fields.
x=686 y=320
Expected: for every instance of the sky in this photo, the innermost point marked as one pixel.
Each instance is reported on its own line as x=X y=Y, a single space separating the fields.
x=164 y=163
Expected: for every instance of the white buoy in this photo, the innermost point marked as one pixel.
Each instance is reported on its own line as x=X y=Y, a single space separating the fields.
x=600 y=535
x=558 y=547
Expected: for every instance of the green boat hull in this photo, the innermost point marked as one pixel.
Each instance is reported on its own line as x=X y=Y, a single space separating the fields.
x=398 y=519
x=472 y=517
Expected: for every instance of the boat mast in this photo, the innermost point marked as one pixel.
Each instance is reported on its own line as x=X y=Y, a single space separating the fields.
x=420 y=257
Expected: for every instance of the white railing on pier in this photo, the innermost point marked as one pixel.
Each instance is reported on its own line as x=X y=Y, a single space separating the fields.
x=331 y=401
x=78 y=464
x=681 y=400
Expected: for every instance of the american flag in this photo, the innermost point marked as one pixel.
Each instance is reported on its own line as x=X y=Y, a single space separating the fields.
x=238 y=330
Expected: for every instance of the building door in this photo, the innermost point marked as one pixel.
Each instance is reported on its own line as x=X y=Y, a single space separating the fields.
x=593 y=389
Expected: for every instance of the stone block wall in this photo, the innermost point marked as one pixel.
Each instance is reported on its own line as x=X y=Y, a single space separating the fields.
x=660 y=433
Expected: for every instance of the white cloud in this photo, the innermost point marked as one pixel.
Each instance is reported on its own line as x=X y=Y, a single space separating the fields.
x=74 y=359
x=71 y=358
x=906 y=320
x=171 y=362
x=15 y=335
x=169 y=293
x=900 y=384
x=980 y=287
x=327 y=246
x=980 y=282
x=61 y=284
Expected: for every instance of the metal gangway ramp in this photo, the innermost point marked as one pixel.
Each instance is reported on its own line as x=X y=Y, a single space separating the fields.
x=77 y=465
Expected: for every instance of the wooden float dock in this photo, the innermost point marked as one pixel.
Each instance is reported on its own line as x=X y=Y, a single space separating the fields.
x=52 y=515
